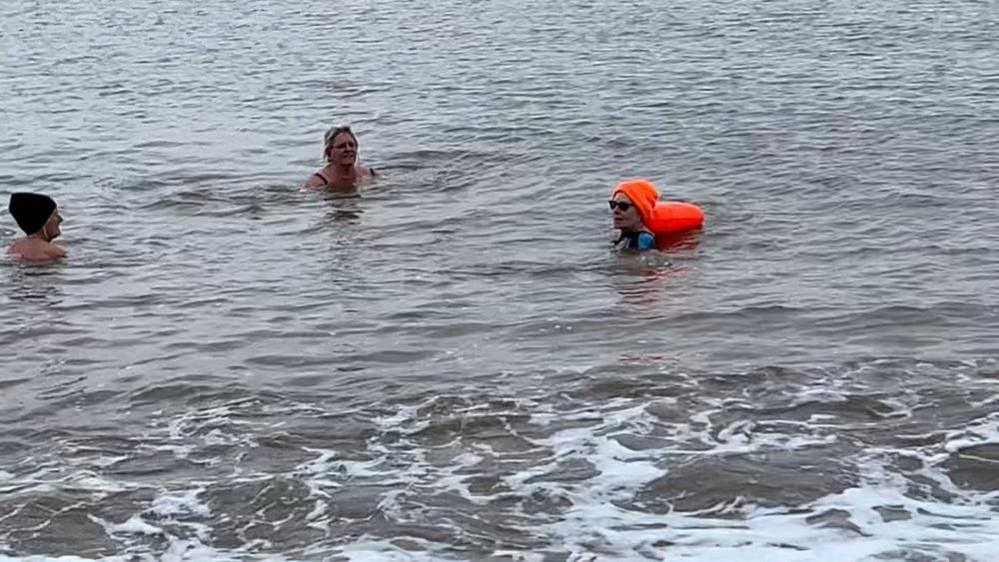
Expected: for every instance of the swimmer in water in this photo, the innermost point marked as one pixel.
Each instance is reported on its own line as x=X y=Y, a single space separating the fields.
x=632 y=203
x=342 y=169
x=39 y=218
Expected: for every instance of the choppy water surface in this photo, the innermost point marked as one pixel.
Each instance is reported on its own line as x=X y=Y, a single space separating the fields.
x=454 y=365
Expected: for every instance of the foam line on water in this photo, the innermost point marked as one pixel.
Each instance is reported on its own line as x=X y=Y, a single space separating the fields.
x=135 y=525
x=596 y=522
x=983 y=431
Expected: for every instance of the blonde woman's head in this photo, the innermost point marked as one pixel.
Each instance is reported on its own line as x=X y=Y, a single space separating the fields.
x=340 y=145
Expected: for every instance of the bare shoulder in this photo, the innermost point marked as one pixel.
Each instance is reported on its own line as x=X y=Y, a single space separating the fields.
x=36 y=251
x=314 y=181
x=56 y=252
x=23 y=249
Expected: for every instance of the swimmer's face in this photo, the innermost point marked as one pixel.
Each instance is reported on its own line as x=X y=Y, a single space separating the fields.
x=344 y=150
x=626 y=215
x=51 y=230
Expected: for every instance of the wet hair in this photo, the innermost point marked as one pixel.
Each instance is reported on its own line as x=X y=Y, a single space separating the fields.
x=332 y=134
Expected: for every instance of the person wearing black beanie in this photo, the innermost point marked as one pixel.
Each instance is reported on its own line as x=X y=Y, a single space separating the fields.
x=39 y=218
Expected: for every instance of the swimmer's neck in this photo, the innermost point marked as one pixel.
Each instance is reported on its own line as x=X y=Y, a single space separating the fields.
x=39 y=236
x=629 y=232
x=341 y=170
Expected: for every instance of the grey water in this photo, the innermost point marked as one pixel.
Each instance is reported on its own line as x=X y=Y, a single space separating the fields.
x=452 y=363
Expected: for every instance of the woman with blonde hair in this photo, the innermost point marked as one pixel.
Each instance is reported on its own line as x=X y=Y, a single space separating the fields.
x=342 y=169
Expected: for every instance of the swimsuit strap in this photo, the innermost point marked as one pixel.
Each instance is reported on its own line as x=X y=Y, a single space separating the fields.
x=327 y=182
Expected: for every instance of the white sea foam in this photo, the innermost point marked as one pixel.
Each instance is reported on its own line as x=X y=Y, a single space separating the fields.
x=595 y=524
x=183 y=504
x=135 y=525
x=599 y=522
x=48 y=480
x=405 y=413
x=448 y=480
x=982 y=431
x=383 y=551
x=62 y=559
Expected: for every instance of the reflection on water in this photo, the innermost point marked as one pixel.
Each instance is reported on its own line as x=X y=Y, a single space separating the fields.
x=643 y=281
x=679 y=242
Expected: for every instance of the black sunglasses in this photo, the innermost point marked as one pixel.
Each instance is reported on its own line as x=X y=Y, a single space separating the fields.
x=623 y=205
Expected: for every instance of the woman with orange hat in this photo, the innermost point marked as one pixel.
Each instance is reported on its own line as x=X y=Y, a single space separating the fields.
x=632 y=203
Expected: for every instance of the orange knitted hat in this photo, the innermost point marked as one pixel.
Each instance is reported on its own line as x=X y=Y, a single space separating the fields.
x=642 y=193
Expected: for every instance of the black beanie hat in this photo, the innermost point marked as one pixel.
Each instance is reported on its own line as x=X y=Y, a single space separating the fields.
x=31 y=210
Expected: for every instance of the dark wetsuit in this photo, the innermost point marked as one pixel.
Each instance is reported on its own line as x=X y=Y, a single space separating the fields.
x=636 y=241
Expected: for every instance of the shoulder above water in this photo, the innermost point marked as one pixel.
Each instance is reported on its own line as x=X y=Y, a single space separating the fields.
x=35 y=250
x=323 y=178
x=637 y=241
x=645 y=241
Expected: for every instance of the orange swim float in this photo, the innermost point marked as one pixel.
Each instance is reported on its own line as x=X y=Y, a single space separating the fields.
x=671 y=217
